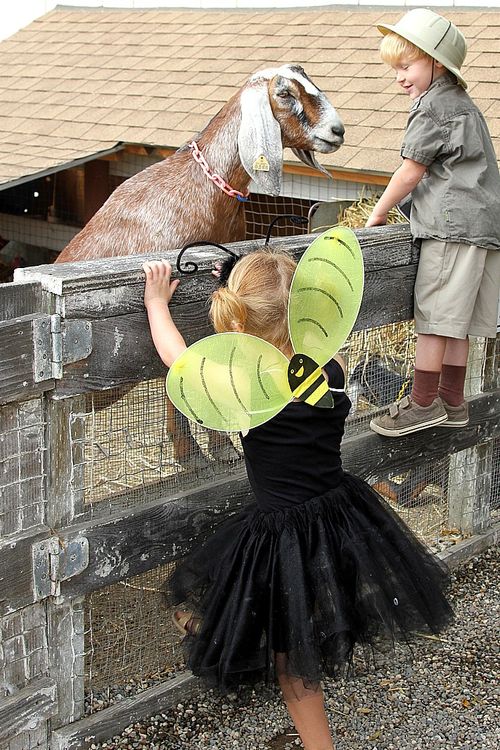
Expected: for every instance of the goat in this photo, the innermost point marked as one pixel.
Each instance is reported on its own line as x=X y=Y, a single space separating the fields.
x=177 y=201
x=173 y=202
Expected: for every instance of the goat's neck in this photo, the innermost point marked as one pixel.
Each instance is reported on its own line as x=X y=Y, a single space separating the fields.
x=219 y=144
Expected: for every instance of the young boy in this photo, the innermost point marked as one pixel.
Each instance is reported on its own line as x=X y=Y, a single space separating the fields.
x=450 y=168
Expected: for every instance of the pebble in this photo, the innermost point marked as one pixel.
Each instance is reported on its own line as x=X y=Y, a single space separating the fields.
x=444 y=698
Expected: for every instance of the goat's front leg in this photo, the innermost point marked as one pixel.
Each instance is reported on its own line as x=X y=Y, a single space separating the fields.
x=221 y=447
x=187 y=452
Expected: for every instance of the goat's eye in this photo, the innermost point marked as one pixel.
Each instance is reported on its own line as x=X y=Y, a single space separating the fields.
x=284 y=94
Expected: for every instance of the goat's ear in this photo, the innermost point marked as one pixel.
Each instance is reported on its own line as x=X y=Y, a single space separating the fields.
x=259 y=139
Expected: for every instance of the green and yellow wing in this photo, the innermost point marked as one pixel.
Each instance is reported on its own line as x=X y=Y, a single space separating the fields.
x=325 y=295
x=229 y=382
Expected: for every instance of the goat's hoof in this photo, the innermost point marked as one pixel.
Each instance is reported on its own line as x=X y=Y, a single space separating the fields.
x=221 y=449
x=194 y=461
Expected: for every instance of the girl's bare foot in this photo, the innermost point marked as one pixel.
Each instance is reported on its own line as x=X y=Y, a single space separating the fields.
x=185 y=622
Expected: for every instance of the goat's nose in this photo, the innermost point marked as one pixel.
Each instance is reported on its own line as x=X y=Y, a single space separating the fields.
x=338 y=130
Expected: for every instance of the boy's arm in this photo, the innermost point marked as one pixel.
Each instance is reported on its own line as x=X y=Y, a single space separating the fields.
x=157 y=295
x=402 y=182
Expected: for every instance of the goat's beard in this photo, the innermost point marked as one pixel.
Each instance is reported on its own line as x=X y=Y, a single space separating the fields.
x=308 y=158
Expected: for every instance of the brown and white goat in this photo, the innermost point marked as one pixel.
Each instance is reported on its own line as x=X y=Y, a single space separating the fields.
x=173 y=202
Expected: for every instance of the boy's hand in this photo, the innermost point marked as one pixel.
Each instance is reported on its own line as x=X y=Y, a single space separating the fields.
x=376 y=220
x=159 y=285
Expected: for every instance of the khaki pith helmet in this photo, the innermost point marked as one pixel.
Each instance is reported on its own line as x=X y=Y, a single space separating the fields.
x=434 y=35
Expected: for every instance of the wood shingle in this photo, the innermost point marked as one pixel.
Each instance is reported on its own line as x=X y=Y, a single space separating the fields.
x=78 y=82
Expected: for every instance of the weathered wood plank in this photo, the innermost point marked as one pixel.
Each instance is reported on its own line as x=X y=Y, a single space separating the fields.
x=66 y=465
x=21 y=466
x=22 y=298
x=17 y=381
x=114 y=719
x=16 y=570
x=123 y=352
x=126 y=545
x=26 y=709
x=374 y=456
x=66 y=629
x=474 y=545
x=154 y=534
x=132 y=542
x=384 y=247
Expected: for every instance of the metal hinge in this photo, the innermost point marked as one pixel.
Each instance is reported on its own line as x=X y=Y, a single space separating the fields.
x=57 y=343
x=55 y=560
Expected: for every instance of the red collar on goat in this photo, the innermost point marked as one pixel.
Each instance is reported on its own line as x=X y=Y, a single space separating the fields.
x=216 y=178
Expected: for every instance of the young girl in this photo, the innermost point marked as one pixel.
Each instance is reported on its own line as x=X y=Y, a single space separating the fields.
x=319 y=562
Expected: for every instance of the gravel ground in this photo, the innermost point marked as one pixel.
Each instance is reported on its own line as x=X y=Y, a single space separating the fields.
x=446 y=698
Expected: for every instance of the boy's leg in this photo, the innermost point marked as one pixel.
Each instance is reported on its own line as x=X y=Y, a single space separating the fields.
x=448 y=279
x=430 y=351
x=451 y=384
x=424 y=408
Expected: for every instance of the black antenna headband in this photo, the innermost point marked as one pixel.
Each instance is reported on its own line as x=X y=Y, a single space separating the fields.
x=191 y=267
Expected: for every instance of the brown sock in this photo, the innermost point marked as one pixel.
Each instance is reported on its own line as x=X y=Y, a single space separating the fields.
x=425 y=387
x=451 y=384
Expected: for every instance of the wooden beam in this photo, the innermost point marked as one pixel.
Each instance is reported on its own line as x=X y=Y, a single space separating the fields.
x=366 y=178
x=383 y=248
x=110 y=292
x=17 y=364
x=27 y=708
x=132 y=541
x=22 y=298
x=474 y=545
x=123 y=351
x=110 y=721
x=16 y=570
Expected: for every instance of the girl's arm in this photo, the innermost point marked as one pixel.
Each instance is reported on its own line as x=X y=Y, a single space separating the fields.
x=157 y=295
x=402 y=182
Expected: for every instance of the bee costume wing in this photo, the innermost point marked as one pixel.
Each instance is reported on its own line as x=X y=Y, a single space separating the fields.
x=229 y=382
x=325 y=295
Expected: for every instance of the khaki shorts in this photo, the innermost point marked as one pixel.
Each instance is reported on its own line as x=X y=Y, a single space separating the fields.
x=457 y=289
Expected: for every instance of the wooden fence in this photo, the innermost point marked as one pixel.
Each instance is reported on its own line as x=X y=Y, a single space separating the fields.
x=70 y=336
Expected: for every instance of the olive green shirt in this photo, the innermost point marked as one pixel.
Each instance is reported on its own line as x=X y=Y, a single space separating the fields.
x=458 y=198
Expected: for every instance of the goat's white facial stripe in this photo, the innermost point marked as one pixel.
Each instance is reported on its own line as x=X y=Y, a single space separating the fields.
x=286 y=72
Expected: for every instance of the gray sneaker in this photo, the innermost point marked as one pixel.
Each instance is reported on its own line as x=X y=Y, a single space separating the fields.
x=458 y=416
x=406 y=416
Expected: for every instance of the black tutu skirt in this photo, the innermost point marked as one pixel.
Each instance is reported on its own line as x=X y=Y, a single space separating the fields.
x=307 y=583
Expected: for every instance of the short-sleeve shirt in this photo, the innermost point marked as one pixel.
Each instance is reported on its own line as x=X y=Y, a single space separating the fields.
x=458 y=198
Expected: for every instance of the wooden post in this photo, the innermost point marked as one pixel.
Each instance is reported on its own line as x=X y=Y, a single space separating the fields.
x=65 y=621
x=469 y=479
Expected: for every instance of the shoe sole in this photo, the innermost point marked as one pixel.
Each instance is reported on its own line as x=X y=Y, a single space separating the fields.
x=408 y=430
x=450 y=423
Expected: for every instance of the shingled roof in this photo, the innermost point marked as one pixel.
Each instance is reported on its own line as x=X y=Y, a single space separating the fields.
x=77 y=82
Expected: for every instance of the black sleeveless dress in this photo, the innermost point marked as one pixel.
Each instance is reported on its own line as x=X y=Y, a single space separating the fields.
x=319 y=563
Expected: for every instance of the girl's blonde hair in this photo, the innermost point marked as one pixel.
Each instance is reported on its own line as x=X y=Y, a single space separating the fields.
x=393 y=49
x=256 y=297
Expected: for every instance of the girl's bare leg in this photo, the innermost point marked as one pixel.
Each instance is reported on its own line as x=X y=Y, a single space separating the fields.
x=306 y=707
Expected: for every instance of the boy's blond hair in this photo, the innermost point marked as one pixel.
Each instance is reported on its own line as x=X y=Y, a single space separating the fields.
x=256 y=297
x=394 y=49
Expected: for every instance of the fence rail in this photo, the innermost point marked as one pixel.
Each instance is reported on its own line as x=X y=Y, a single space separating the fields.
x=74 y=341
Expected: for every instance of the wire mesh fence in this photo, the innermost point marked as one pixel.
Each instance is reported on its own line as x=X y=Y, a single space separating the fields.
x=22 y=466
x=128 y=455
x=131 y=643
x=127 y=449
